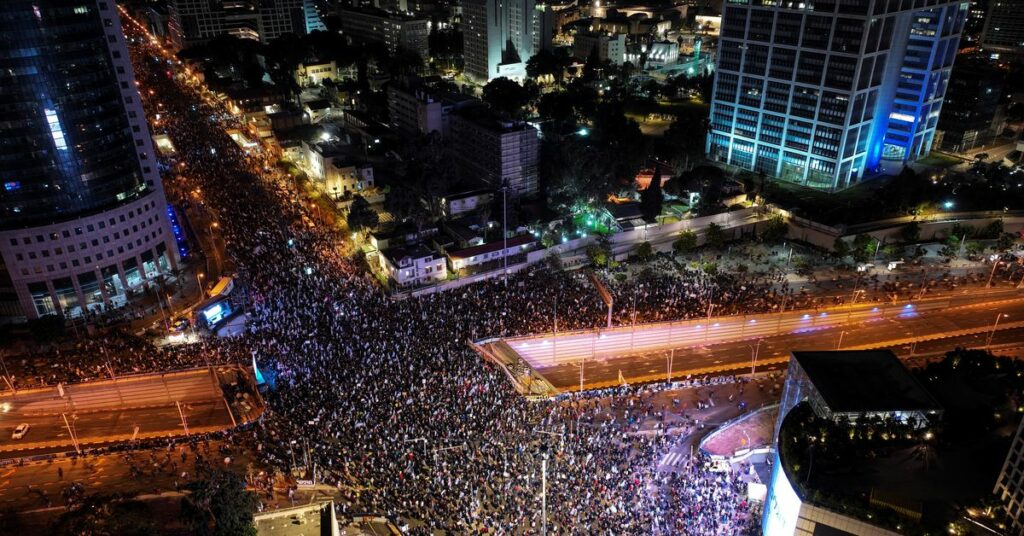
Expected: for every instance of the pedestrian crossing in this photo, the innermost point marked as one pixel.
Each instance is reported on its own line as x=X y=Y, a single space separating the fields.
x=672 y=459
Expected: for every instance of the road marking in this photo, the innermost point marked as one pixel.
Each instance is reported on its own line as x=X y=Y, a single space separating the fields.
x=672 y=459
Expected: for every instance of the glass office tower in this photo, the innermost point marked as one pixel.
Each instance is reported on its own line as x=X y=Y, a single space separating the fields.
x=83 y=219
x=825 y=93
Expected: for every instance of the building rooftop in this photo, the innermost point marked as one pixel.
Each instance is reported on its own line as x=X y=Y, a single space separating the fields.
x=486 y=118
x=414 y=251
x=489 y=247
x=865 y=381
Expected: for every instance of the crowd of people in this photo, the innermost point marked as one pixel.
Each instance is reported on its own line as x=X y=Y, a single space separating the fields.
x=385 y=398
x=398 y=412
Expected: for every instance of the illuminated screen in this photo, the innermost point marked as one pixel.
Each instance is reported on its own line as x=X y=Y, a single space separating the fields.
x=216 y=312
x=783 y=506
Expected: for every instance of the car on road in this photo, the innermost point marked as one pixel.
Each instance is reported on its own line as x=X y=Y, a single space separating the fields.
x=981 y=156
x=20 y=431
x=180 y=324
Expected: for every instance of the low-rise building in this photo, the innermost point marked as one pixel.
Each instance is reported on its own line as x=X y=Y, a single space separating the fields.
x=657 y=54
x=500 y=152
x=333 y=166
x=491 y=256
x=456 y=204
x=317 y=110
x=313 y=74
x=394 y=30
x=609 y=47
x=412 y=266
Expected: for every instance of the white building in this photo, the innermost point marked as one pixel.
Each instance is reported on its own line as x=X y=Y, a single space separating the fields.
x=497 y=151
x=610 y=47
x=659 y=53
x=501 y=35
x=412 y=266
x=477 y=257
x=334 y=168
x=456 y=204
x=314 y=74
x=422 y=111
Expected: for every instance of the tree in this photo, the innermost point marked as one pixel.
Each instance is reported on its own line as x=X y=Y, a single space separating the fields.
x=775 y=229
x=645 y=251
x=652 y=199
x=361 y=217
x=860 y=250
x=685 y=242
x=548 y=63
x=1005 y=242
x=714 y=235
x=506 y=96
x=219 y=506
x=840 y=248
x=911 y=233
x=597 y=255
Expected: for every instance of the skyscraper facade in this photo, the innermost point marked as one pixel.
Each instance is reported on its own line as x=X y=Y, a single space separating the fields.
x=1004 y=28
x=498 y=37
x=83 y=219
x=826 y=93
x=193 y=22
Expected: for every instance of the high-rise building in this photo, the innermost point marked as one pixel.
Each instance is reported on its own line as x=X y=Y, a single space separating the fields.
x=394 y=30
x=193 y=22
x=1010 y=486
x=83 y=220
x=972 y=114
x=1004 y=28
x=499 y=36
x=830 y=92
x=498 y=151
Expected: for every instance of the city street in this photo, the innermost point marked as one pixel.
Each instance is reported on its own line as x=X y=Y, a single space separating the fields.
x=731 y=345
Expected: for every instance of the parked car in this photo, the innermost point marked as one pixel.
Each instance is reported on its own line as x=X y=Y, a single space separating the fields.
x=20 y=431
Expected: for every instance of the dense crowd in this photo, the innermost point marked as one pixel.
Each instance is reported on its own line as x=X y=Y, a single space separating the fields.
x=396 y=410
x=400 y=414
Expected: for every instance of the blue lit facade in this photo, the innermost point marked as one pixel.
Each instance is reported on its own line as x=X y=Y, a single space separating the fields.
x=826 y=93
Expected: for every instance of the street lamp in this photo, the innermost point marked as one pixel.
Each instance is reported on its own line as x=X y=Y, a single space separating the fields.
x=995 y=325
x=199 y=281
x=754 y=350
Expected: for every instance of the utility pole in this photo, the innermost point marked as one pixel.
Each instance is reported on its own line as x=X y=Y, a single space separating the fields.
x=184 y=422
x=992 y=273
x=74 y=439
x=754 y=350
x=995 y=325
x=504 y=226
x=671 y=359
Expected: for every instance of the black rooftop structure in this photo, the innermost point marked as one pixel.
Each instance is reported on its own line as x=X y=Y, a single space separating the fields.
x=867 y=381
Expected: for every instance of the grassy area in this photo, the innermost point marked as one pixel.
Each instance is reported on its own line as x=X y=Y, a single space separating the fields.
x=939 y=160
x=853 y=205
x=642 y=108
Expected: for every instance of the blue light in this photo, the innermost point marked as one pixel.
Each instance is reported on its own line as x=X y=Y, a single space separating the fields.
x=908 y=306
x=11 y=186
x=806 y=316
x=823 y=314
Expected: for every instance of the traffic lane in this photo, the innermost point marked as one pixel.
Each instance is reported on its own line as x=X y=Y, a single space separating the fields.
x=546 y=350
x=93 y=428
x=27 y=486
x=739 y=353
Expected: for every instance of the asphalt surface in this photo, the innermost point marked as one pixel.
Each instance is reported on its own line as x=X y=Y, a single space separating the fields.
x=100 y=428
x=941 y=323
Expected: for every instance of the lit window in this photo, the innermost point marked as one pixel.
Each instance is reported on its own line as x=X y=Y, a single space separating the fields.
x=55 y=129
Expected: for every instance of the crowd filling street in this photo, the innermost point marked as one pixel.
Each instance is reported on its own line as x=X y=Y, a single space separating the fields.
x=383 y=398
